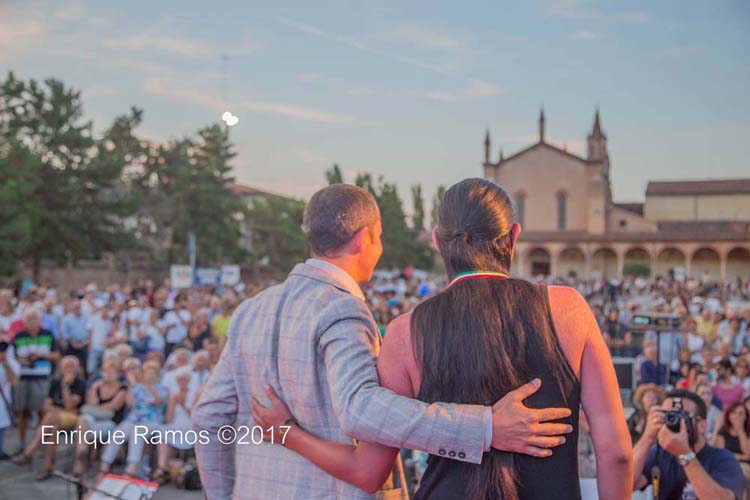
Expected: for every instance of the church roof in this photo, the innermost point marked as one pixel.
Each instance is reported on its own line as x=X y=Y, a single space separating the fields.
x=542 y=145
x=636 y=208
x=700 y=187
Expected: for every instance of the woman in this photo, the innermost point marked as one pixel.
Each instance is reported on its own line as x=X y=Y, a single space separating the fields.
x=742 y=374
x=61 y=407
x=178 y=419
x=147 y=402
x=472 y=343
x=689 y=381
x=104 y=410
x=733 y=435
x=727 y=389
x=646 y=397
x=714 y=416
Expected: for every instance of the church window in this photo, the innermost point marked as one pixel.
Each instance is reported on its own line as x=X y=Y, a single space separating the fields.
x=562 y=202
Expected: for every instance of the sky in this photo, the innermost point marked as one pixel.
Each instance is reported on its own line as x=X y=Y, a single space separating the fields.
x=407 y=90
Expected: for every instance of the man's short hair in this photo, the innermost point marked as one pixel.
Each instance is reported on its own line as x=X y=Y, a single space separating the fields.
x=701 y=410
x=335 y=214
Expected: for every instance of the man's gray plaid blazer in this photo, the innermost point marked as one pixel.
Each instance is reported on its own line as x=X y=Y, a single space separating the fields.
x=313 y=339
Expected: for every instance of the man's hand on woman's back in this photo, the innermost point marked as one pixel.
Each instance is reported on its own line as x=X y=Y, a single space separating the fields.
x=520 y=429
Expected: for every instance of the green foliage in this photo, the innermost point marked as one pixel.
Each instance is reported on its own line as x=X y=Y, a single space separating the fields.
x=65 y=195
x=62 y=190
x=184 y=186
x=634 y=269
x=277 y=238
x=334 y=176
x=436 y=201
x=417 y=218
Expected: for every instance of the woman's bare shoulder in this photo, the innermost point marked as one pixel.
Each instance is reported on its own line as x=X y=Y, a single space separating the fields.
x=573 y=322
x=396 y=365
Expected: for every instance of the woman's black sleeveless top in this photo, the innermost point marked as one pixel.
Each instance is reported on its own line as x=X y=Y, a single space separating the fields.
x=554 y=477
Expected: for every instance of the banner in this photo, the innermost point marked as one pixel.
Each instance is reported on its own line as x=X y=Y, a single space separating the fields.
x=181 y=276
x=230 y=275
x=207 y=275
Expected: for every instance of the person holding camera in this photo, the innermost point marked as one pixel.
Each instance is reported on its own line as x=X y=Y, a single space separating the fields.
x=673 y=449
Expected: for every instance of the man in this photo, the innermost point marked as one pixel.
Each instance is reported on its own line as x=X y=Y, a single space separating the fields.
x=176 y=324
x=651 y=373
x=98 y=326
x=688 y=467
x=75 y=333
x=37 y=352
x=314 y=340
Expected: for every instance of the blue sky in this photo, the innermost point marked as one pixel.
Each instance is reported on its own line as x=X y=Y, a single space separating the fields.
x=407 y=89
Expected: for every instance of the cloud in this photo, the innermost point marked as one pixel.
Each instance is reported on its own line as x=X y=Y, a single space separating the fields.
x=359 y=45
x=19 y=35
x=71 y=12
x=187 y=47
x=315 y=31
x=476 y=89
x=677 y=52
x=310 y=77
x=208 y=99
x=99 y=90
x=584 y=35
x=581 y=10
x=426 y=39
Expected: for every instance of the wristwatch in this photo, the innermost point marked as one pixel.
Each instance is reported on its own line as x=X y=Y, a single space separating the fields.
x=686 y=458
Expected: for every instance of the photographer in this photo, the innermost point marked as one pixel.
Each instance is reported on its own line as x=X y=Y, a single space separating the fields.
x=688 y=467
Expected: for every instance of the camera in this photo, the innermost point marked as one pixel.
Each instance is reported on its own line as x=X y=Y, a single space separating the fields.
x=672 y=420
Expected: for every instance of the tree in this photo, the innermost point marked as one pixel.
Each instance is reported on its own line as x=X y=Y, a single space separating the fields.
x=436 y=201
x=276 y=235
x=62 y=188
x=334 y=176
x=184 y=187
x=417 y=218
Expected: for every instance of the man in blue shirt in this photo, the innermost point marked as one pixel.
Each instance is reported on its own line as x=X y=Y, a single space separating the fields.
x=687 y=467
x=75 y=334
x=650 y=374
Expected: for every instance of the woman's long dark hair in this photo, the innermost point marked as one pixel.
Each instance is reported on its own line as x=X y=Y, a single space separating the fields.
x=470 y=341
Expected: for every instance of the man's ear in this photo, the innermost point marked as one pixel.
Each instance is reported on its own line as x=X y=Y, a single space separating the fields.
x=434 y=239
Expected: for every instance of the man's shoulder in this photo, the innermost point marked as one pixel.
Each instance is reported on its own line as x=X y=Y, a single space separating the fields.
x=711 y=456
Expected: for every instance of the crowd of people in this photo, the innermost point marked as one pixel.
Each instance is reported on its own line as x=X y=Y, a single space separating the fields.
x=111 y=358
x=104 y=360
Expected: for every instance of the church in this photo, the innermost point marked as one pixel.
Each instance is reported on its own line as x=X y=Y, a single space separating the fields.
x=573 y=227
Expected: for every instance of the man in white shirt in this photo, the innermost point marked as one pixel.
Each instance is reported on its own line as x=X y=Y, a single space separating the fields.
x=176 y=324
x=99 y=325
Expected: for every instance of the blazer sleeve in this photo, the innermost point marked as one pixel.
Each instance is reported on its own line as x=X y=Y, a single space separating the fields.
x=217 y=407
x=371 y=413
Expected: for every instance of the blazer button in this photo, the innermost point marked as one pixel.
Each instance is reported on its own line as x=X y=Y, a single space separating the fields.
x=451 y=453
x=461 y=454
x=441 y=451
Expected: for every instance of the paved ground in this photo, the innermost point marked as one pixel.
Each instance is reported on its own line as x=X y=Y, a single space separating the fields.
x=18 y=483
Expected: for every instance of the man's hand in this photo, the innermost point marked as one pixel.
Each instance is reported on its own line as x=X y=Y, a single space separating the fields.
x=519 y=429
x=654 y=423
x=676 y=443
